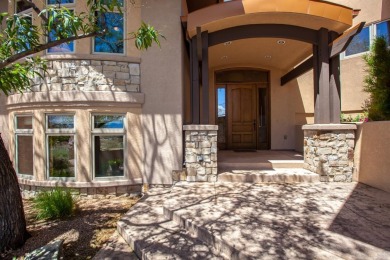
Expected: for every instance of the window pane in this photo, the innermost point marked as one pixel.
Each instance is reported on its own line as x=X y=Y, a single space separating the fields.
x=106 y=121
x=61 y=156
x=64 y=47
x=360 y=43
x=237 y=76
x=112 y=41
x=24 y=122
x=24 y=146
x=108 y=156
x=22 y=6
x=383 y=29
x=221 y=96
x=53 y=2
x=60 y=121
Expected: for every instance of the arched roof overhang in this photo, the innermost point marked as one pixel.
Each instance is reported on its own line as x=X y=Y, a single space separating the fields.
x=310 y=14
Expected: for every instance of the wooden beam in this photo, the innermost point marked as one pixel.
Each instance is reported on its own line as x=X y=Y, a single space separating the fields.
x=341 y=43
x=199 y=43
x=322 y=106
x=334 y=89
x=205 y=79
x=296 y=72
x=335 y=48
x=265 y=31
x=195 y=83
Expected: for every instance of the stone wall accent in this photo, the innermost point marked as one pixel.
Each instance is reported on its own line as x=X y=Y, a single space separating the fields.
x=30 y=191
x=201 y=152
x=329 y=151
x=89 y=75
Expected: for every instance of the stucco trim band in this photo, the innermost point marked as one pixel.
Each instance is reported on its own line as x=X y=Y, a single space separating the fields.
x=94 y=184
x=51 y=97
x=200 y=127
x=329 y=127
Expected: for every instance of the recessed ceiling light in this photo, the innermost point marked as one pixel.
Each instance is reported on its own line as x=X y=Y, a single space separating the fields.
x=281 y=42
x=227 y=43
x=268 y=57
x=224 y=57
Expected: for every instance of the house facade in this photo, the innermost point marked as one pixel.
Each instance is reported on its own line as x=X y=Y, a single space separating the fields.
x=108 y=118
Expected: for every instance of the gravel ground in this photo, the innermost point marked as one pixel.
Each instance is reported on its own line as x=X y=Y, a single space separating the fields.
x=84 y=234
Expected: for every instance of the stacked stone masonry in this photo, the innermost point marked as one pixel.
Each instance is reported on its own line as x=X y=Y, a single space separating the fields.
x=89 y=75
x=330 y=154
x=29 y=191
x=201 y=155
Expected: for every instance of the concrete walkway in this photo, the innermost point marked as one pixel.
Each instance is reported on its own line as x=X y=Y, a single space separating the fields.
x=260 y=221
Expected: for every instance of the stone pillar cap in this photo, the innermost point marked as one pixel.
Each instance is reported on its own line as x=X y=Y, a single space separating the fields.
x=329 y=127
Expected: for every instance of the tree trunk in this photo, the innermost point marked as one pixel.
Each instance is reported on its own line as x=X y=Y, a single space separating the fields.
x=13 y=232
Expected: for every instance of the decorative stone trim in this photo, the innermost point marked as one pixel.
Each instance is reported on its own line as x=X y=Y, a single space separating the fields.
x=329 y=151
x=200 y=152
x=134 y=190
x=89 y=75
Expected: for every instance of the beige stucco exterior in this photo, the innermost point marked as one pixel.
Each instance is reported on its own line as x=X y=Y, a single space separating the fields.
x=372 y=154
x=155 y=96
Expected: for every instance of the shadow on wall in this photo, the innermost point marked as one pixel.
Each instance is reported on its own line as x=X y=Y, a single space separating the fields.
x=163 y=147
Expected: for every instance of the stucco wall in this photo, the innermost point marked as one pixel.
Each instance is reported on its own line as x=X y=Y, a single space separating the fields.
x=162 y=81
x=372 y=154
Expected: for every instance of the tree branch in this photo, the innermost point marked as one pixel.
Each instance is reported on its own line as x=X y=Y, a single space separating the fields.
x=36 y=9
x=45 y=46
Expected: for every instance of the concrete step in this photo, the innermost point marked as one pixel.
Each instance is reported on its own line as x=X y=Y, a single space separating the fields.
x=279 y=175
x=152 y=236
x=221 y=247
x=268 y=165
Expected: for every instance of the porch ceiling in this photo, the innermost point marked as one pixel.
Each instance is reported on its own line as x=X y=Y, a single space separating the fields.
x=260 y=52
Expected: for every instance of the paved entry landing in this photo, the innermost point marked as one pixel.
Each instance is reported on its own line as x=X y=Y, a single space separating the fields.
x=263 y=166
x=260 y=221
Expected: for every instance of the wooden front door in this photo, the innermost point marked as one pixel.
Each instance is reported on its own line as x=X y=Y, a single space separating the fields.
x=242 y=116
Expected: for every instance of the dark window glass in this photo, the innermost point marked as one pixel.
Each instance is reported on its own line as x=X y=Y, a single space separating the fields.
x=24 y=146
x=360 y=43
x=107 y=121
x=24 y=122
x=22 y=6
x=60 y=121
x=63 y=47
x=61 y=156
x=383 y=30
x=53 y=2
x=112 y=41
x=108 y=156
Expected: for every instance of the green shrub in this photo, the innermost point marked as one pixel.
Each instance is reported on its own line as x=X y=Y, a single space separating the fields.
x=54 y=204
x=377 y=82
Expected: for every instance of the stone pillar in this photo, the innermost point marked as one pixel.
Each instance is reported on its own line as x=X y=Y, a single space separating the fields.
x=329 y=151
x=201 y=152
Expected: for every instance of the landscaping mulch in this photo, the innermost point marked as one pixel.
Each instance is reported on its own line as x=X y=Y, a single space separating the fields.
x=84 y=233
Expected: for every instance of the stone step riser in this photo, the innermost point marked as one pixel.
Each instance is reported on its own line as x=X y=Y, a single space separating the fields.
x=221 y=247
x=259 y=166
x=260 y=178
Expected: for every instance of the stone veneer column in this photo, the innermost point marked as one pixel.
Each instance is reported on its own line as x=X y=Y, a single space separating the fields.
x=329 y=151
x=201 y=152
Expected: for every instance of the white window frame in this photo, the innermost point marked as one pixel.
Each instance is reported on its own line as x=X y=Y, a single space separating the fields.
x=70 y=6
x=60 y=132
x=109 y=132
x=23 y=132
x=124 y=34
x=372 y=35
